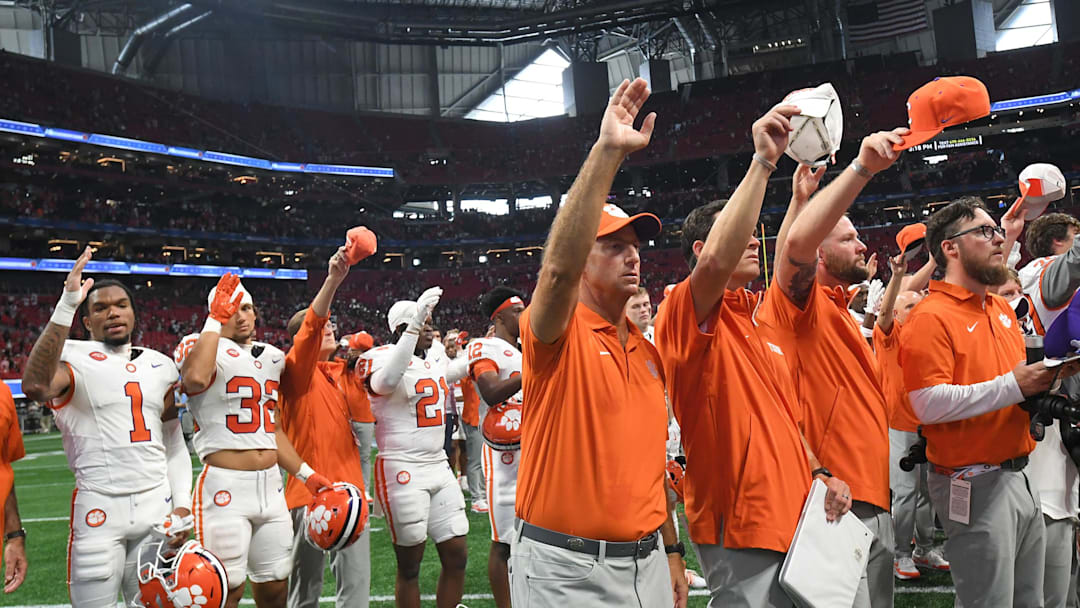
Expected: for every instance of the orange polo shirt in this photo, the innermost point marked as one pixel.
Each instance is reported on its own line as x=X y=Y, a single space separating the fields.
x=12 y=448
x=887 y=349
x=314 y=415
x=747 y=474
x=955 y=337
x=839 y=384
x=596 y=417
x=470 y=412
x=356 y=395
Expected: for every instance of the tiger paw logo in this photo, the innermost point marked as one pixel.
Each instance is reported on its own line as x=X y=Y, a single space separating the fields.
x=508 y=458
x=222 y=498
x=511 y=420
x=96 y=518
x=189 y=597
x=1005 y=320
x=320 y=519
x=403 y=477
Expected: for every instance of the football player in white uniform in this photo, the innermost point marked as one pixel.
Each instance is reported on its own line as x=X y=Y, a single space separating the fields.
x=115 y=409
x=239 y=502
x=495 y=367
x=413 y=481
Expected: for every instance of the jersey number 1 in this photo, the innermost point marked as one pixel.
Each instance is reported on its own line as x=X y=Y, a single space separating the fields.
x=139 y=432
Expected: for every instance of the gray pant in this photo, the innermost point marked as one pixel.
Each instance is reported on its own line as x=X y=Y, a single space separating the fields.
x=351 y=567
x=365 y=434
x=542 y=576
x=997 y=559
x=1060 y=562
x=743 y=578
x=876 y=585
x=911 y=511
x=475 y=465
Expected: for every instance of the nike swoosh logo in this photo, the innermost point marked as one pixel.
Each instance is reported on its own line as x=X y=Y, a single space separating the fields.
x=971 y=328
x=156 y=365
x=169 y=499
x=276 y=360
x=945 y=120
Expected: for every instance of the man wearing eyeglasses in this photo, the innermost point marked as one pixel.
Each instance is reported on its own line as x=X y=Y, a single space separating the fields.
x=963 y=358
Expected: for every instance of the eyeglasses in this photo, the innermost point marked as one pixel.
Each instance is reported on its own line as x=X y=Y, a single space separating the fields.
x=985 y=231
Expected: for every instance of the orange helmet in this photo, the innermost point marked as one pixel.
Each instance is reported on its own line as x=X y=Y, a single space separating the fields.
x=336 y=516
x=502 y=425
x=675 y=473
x=188 y=576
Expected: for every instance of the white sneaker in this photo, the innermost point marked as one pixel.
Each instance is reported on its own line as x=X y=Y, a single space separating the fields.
x=695 y=580
x=904 y=569
x=480 y=506
x=931 y=559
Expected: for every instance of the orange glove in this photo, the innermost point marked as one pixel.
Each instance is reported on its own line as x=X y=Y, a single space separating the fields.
x=224 y=305
x=359 y=244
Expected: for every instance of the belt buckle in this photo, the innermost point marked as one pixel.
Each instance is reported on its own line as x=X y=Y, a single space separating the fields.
x=642 y=550
x=575 y=544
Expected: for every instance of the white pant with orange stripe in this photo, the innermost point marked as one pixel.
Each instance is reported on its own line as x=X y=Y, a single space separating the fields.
x=103 y=547
x=420 y=500
x=241 y=517
x=500 y=476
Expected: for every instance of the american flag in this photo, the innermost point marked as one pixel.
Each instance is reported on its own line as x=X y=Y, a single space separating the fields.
x=870 y=21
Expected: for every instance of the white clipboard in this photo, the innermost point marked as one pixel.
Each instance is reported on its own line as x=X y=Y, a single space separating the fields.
x=826 y=559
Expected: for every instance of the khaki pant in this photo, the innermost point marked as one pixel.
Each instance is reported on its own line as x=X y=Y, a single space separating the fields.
x=1060 y=566
x=997 y=559
x=542 y=576
x=876 y=586
x=743 y=578
x=351 y=567
x=911 y=511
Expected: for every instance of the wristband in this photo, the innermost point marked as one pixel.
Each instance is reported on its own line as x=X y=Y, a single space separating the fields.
x=859 y=169
x=304 y=472
x=20 y=533
x=821 y=471
x=678 y=547
x=66 y=307
x=764 y=162
x=212 y=325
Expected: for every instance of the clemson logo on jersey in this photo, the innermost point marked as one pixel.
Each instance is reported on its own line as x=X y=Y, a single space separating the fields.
x=508 y=353
x=190 y=597
x=1005 y=320
x=427 y=365
x=96 y=518
x=222 y=498
x=98 y=356
x=130 y=367
x=403 y=477
x=233 y=352
x=258 y=364
x=508 y=458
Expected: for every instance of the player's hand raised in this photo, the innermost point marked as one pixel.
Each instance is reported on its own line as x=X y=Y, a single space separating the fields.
x=226 y=300
x=898 y=265
x=804 y=183
x=74 y=283
x=770 y=132
x=876 y=152
x=338 y=265
x=617 y=132
x=427 y=303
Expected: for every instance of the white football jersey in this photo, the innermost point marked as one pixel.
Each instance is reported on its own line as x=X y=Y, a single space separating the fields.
x=500 y=352
x=111 y=422
x=409 y=421
x=237 y=410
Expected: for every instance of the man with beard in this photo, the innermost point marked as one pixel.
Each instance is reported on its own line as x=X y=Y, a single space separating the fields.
x=962 y=353
x=115 y=408
x=837 y=377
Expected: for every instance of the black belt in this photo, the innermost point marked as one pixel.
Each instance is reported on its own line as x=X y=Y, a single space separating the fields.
x=1012 y=464
x=639 y=548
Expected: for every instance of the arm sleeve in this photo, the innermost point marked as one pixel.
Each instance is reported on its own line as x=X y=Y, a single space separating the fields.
x=386 y=377
x=303 y=357
x=178 y=462
x=1061 y=278
x=952 y=402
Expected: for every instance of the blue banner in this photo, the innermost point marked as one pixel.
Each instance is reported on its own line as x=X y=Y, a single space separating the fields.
x=175 y=270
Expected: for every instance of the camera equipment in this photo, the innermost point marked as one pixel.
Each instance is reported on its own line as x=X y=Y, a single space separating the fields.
x=916 y=454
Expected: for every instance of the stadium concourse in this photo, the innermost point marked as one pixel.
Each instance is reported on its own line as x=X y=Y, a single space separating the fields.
x=384 y=321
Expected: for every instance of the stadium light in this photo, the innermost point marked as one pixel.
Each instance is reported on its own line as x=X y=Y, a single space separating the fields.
x=416 y=261
x=482 y=259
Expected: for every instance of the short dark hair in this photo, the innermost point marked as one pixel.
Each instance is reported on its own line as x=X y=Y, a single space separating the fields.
x=696 y=227
x=945 y=221
x=494 y=298
x=84 y=308
x=1051 y=227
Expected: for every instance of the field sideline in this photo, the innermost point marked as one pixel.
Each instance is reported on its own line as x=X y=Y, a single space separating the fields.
x=44 y=485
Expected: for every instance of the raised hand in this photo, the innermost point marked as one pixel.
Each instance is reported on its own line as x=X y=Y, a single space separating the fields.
x=876 y=151
x=805 y=182
x=898 y=265
x=1013 y=223
x=226 y=300
x=338 y=266
x=617 y=130
x=425 y=304
x=770 y=132
x=871 y=266
x=74 y=281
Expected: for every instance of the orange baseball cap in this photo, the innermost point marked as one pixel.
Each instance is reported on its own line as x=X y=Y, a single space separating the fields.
x=359 y=244
x=943 y=102
x=361 y=341
x=911 y=239
x=613 y=219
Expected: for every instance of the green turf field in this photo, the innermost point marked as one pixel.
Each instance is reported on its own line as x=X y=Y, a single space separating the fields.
x=44 y=486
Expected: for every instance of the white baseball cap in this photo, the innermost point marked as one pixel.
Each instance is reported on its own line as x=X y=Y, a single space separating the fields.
x=1040 y=185
x=245 y=295
x=819 y=129
x=401 y=313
